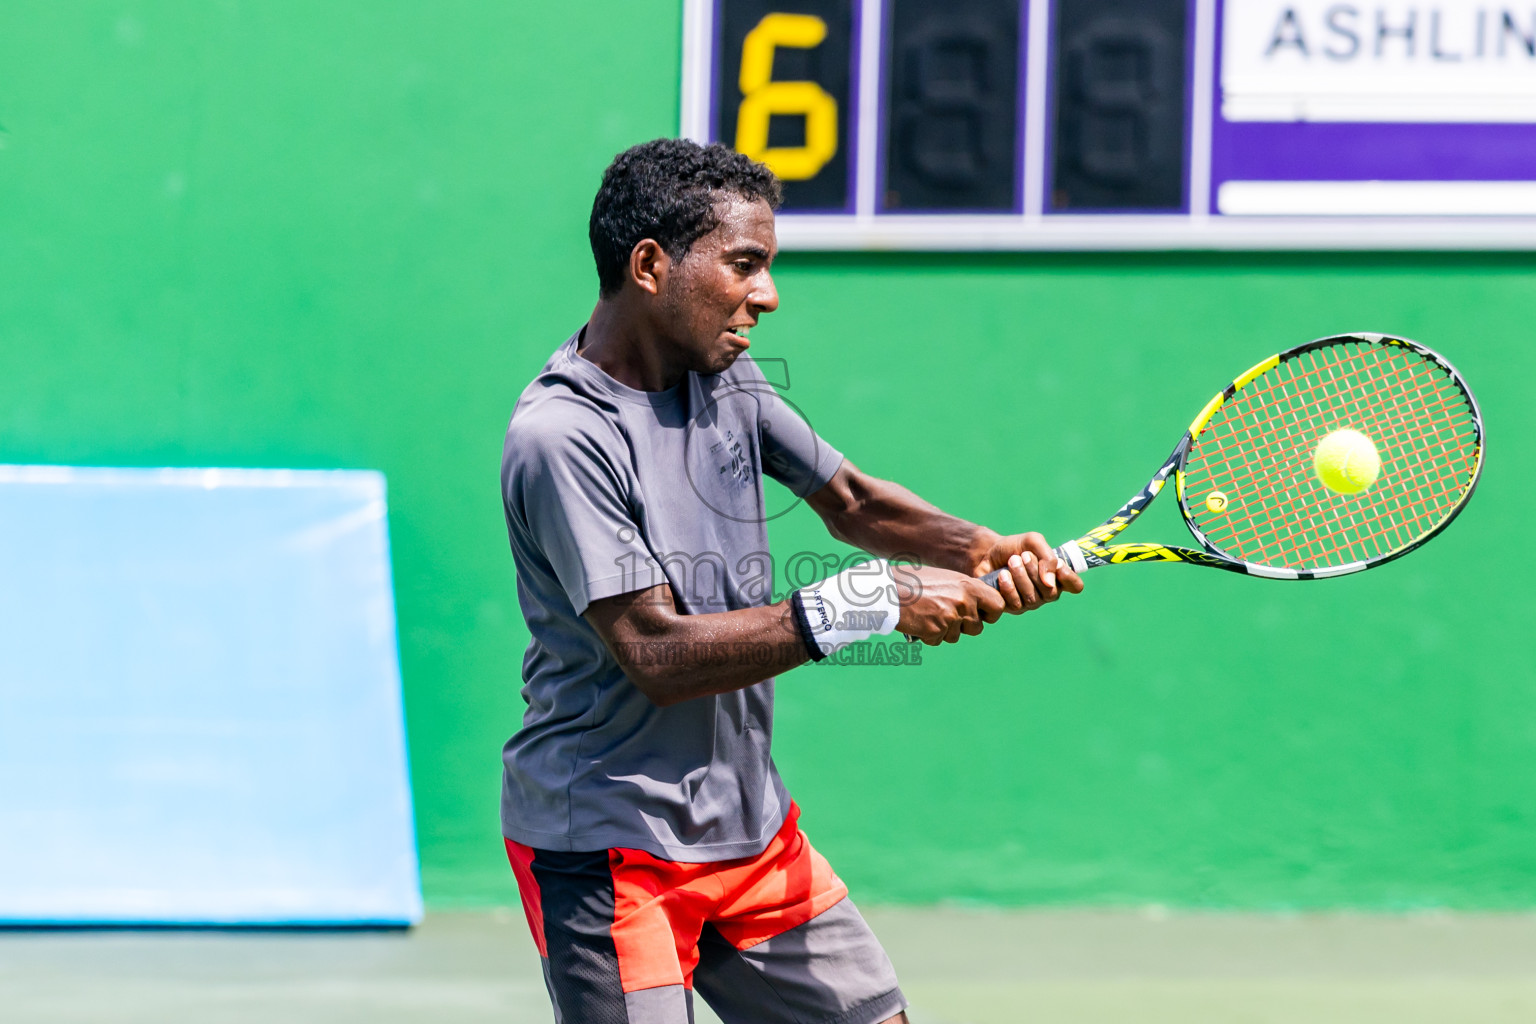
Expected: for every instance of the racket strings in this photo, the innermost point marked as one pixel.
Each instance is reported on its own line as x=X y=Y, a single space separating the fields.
x=1258 y=449
x=1347 y=388
x=1347 y=524
x=1351 y=406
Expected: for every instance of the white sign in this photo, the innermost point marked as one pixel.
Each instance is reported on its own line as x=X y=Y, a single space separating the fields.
x=1427 y=62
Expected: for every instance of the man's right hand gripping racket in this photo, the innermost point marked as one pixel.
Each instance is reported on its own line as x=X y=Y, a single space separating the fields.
x=1250 y=477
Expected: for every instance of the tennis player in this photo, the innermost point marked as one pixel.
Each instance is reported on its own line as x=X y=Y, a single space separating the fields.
x=656 y=850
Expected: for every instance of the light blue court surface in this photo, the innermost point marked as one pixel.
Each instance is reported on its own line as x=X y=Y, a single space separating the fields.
x=200 y=708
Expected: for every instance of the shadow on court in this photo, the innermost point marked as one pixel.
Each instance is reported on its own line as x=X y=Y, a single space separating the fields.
x=957 y=966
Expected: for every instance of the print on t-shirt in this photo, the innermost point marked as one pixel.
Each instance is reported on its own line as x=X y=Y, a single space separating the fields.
x=735 y=469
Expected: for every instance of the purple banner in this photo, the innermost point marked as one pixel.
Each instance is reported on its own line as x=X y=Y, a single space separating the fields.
x=1375 y=151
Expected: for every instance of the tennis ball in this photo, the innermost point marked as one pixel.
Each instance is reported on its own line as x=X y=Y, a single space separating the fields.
x=1347 y=462
x=1216 y=501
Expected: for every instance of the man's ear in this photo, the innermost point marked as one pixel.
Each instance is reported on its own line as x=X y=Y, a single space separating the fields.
x=649 y=265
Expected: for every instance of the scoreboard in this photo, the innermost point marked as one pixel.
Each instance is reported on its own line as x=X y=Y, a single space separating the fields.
x=1127 y=124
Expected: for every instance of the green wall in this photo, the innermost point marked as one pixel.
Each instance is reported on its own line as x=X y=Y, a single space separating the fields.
x=346 y=234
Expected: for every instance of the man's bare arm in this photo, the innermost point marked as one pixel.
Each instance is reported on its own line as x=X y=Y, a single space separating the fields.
x=886 y=519
x=673 y=656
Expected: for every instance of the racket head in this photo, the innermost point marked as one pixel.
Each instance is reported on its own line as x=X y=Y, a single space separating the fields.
x=1246 y=484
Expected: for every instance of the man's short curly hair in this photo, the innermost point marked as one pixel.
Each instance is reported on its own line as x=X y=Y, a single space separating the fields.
x=668 y=190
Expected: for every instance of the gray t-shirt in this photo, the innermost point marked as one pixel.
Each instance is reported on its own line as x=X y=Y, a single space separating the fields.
x=609 y=490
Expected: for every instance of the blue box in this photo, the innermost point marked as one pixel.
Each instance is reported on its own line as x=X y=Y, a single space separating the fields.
x=200 y=706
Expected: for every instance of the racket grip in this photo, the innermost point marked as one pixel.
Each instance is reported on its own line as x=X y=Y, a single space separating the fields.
x=1062 y=554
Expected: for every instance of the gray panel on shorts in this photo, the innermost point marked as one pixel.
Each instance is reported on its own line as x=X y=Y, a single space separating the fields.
x=665 y=1004
x=830 y=970
x=549 y=986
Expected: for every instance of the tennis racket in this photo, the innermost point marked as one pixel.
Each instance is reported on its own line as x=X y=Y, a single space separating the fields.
x=1244 y=474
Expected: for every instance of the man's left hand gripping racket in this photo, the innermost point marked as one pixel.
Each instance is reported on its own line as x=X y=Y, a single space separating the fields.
x=1247 y=470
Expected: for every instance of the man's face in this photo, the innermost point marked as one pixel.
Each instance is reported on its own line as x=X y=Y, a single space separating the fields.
x=715 y=293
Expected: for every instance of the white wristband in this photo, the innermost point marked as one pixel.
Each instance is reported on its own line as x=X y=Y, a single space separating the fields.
x=856 y=604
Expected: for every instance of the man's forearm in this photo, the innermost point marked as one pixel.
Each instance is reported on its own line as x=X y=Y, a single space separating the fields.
x=886 y=519
x=673 y=657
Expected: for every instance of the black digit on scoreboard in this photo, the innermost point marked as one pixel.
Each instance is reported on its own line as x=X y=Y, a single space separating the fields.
x=952 y=102
x=1118 y=128
x=782 y=93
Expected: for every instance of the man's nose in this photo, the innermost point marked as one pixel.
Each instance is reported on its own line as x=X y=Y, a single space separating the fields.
x=765 y=296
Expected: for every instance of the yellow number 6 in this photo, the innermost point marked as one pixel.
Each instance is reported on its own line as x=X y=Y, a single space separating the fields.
x=763 y=97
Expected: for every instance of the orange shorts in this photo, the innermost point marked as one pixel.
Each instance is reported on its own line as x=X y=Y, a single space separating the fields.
x=626 y=936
